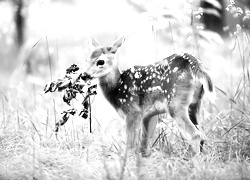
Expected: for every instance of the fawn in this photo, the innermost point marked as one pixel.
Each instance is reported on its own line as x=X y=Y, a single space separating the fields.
x=174 y=85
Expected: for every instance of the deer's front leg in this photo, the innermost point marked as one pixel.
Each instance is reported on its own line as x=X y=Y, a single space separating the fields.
x=133 y=129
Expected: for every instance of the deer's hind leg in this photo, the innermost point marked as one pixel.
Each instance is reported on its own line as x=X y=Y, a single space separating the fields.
x=179 y=110
x=149 y=120
x=194 y=108
x=148 y=127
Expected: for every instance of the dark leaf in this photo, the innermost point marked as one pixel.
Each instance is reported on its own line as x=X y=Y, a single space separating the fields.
x=73 y=68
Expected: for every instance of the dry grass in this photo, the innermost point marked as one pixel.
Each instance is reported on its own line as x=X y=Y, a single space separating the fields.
x=25 y=156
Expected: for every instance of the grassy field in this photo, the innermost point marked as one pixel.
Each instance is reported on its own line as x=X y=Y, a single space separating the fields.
x=30 y=149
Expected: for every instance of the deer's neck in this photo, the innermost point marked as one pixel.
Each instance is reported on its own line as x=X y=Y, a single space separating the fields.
x=109 y=84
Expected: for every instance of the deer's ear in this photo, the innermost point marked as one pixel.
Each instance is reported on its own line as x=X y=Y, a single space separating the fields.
x=93 y=43
x=118 y=43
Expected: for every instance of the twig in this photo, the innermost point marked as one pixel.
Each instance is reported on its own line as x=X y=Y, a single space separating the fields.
x=90 y=118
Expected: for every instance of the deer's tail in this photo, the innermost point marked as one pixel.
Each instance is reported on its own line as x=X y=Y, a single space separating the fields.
x=197 y=69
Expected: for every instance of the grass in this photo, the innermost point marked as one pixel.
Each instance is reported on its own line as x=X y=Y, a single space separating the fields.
x=25 y=156
x=31 y=150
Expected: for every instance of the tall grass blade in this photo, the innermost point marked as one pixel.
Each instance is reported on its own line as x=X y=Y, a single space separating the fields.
x=28 y=56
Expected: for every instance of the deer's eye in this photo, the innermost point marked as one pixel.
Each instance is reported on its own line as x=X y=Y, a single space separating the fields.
x=100 y=62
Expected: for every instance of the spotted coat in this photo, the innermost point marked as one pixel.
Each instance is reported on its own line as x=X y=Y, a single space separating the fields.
x=141 y=84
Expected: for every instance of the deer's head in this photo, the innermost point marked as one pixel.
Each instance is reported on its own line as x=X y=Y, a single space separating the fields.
x=102 y=60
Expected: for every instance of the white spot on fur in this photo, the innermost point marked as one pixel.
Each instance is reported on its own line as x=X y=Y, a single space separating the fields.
x=132 y=69
x=175 y=69
x=137 y=75
x=157 y=88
